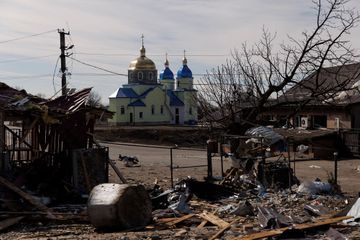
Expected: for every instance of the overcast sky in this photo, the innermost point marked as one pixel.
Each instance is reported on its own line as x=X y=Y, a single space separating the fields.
x=107 y=34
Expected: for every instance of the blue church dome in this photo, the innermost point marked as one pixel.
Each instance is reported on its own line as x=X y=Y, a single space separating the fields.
x=184 y=71
x=166 y=74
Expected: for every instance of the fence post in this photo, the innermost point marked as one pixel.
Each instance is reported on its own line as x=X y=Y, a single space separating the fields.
x=171 y=167
x=335 y=166
x=209 y=158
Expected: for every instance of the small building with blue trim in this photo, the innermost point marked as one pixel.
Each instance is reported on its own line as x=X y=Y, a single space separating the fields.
x=147 y=99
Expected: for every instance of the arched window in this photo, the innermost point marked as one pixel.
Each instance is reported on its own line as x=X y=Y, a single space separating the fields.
x=152 y=109
x=122 y=110
x=140 y=75
x=151 y=76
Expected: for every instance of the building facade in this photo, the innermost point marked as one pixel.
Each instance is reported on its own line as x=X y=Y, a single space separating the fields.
x=147 y=99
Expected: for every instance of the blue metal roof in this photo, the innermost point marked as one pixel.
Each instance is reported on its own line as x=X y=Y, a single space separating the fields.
x=174 y=100
x=166 y=74
x=137 y=103
x=126 y=93
x=184 y=72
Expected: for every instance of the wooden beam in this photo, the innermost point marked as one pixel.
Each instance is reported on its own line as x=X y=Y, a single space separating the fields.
x=27 y=197
x=303 y=226
x=86 y=175
x=214 y=219
x=117 y=171
x=221 y=231
x=202 y=224
x=9 y=222
x=179 y=220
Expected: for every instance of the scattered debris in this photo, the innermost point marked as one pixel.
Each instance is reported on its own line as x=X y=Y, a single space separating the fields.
x=244 y=209
x=315 y=187
x=354 y=213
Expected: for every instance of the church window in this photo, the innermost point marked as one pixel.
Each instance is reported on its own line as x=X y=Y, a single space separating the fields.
x=162 y=109
x=150 y=75
x=140 y=75
x=122 y=110
x=152 y=109
x=140 y=115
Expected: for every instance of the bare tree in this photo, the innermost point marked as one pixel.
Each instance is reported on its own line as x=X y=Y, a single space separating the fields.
x=94 y=100
x=246 y=85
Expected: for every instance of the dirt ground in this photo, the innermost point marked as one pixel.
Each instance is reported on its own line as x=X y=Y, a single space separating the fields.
x=155 y=165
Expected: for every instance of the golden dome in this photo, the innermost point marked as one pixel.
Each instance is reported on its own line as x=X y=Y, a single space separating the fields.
x=142 y=62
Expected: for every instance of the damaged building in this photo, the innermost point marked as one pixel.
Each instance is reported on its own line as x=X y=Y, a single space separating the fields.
x=47 y=146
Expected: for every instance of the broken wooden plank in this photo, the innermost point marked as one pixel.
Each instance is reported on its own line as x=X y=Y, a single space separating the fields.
x=86 y=175
x=117 y=171
x=179 y=220
x=202 y=224
x=9 y=222
x=27 y=197
x=213 y=219
x=166 y=220
x=221 y=231
x=279 y=231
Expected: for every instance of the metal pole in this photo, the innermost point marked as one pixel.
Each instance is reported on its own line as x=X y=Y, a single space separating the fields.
x=294 y=160
x=335 y=166
x=209 y=161
x=290 y=175
x=222 y=165
x=171 y=168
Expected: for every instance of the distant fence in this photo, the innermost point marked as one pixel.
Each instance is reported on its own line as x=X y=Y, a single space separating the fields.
x=176 y=162
x=351 y=141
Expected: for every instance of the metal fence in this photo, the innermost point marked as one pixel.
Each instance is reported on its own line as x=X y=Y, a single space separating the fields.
x=172 y=163
x=351 y=141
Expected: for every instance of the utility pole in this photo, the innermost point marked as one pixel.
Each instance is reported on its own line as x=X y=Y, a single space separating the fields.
x=63 y=59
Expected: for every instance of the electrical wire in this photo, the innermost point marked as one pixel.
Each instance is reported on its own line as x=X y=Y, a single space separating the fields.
x=24 y=77
x=26 y=59
x=154 y=55
x=28 y=36
x=96 y=67
x=53 y=77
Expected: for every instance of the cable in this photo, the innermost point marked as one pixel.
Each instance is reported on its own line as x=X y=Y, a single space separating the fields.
x=28 y=36
x=96 y=67
x=53 y=81
x=26 y=59
x=22 y=77
x=154 y=55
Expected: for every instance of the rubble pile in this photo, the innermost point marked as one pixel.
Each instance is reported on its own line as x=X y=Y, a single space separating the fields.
x=286 y=213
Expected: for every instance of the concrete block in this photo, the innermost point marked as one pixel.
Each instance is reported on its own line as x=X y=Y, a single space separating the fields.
x=119 y=205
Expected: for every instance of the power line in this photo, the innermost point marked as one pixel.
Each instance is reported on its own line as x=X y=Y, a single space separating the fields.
x=26 y=59
x=53 y=77
x=153 y=55
x=96 y=67
x=25 y=77
x=28 y=36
